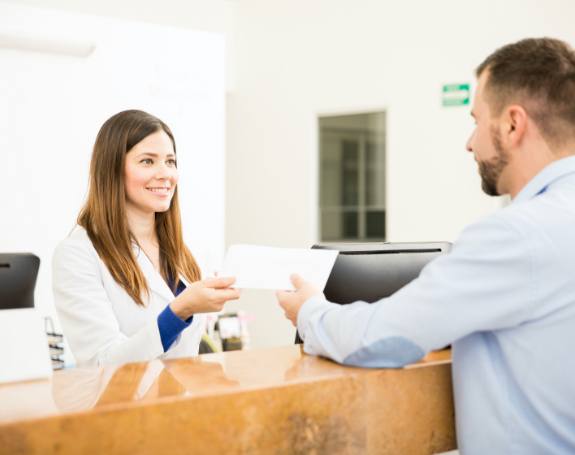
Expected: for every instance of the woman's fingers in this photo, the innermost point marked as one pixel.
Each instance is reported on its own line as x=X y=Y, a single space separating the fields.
x=223 y=295
x=220 y=282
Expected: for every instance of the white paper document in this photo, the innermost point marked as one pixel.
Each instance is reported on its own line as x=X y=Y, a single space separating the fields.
x=24 y=351
x=262 y=267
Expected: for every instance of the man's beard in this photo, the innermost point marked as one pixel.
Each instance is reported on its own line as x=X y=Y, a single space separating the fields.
x=491 y=170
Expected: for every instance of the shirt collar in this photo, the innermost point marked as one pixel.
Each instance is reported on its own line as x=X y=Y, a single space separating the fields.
x=545 y=177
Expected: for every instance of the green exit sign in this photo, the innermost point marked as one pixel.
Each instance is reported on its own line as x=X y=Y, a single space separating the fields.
x=455 y=95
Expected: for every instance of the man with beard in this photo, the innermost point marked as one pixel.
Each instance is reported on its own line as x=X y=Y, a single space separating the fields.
x=504 y=297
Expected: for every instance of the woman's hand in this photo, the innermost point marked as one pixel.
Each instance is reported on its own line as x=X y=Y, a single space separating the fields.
x=205 y=296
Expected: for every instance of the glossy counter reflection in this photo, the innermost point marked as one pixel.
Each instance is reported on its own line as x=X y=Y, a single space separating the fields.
x=316 y=403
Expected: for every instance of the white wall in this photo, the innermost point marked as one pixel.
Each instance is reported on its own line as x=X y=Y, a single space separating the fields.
x=201 y=15
x=206 y=15
x=52 y=107
x=297 y=59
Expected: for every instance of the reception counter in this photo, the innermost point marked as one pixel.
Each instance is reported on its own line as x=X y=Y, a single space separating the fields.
x=273 y=401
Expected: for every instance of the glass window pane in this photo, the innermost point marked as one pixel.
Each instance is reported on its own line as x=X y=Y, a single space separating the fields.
x=349 y=173
x=330 y=169
x=331 y=224
x=352 y=177
x=350 y=225
x=374 y=174
x=375 y=224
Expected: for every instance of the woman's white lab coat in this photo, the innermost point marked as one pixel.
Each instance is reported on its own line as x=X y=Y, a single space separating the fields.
x=102 y=323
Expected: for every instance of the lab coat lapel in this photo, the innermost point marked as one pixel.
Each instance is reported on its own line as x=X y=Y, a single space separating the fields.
x=183 y=280
x=155 y=281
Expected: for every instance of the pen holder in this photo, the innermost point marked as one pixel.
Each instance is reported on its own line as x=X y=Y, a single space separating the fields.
x=55 y=344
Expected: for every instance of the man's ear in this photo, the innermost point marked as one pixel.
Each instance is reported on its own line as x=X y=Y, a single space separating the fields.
x=514 y=125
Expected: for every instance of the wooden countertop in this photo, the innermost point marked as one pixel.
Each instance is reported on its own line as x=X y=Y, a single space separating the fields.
x=277 y=400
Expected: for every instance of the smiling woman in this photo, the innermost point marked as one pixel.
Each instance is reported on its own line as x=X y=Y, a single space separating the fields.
x=151 y=174
x=125 y=285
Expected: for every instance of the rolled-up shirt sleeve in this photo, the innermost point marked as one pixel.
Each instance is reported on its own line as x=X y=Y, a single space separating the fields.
x=482 y=284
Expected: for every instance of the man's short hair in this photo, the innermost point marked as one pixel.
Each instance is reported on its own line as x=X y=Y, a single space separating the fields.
x=539 y=75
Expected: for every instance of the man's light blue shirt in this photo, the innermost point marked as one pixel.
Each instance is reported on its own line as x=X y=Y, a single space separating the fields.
x=504 y=297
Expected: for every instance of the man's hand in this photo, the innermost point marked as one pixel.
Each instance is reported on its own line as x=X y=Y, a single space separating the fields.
x=291 y=301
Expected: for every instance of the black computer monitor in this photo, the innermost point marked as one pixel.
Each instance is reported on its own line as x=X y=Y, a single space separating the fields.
x=18 y=272
x=372 y=271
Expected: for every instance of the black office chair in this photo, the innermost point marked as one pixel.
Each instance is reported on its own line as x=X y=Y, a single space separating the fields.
x=18 y=272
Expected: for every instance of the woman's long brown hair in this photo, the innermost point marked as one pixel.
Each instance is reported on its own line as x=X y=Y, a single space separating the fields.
x=104 y=214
